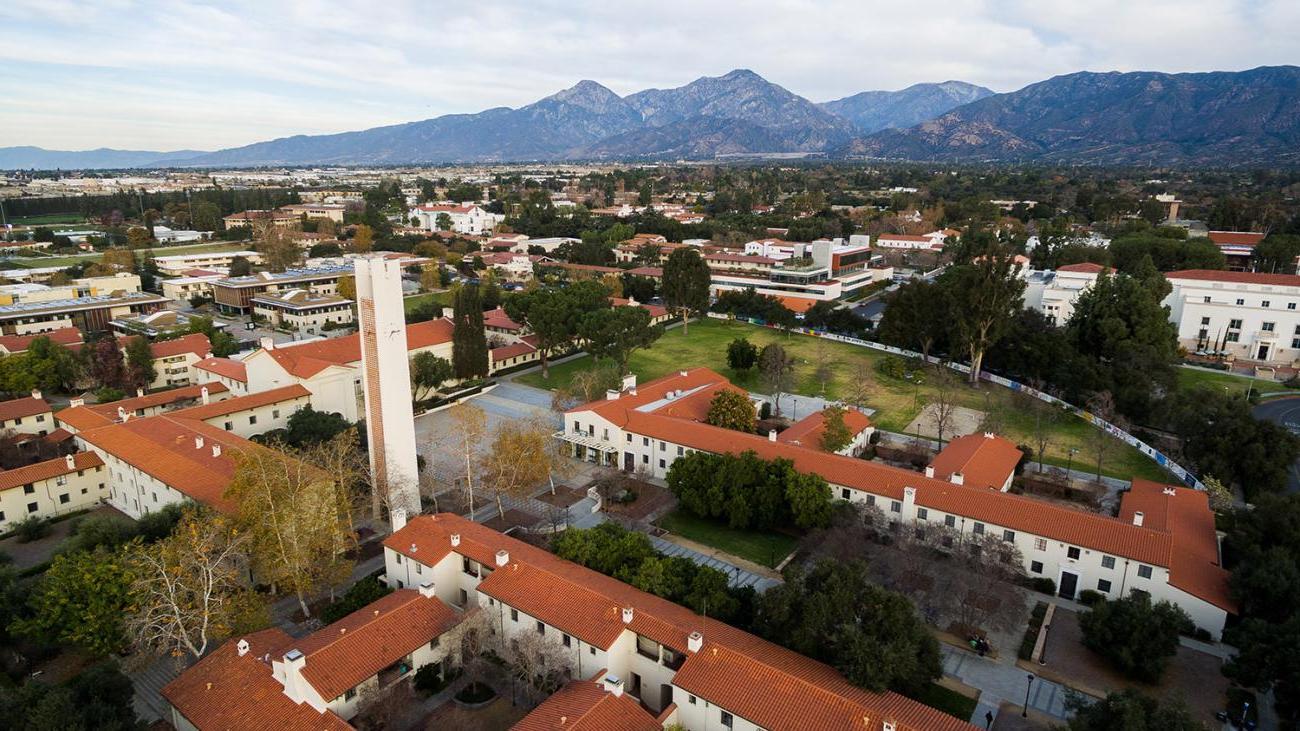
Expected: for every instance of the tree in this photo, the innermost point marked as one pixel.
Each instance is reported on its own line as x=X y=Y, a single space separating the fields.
x=917 y=317
x=363 y=240
x=985 y=297
x=616 y=333
x=240 y=266
x=99 y=697
x=552 y=315
x=859 y=387
x=1045 y=418
x=277 y=245
x=521 y=453
x=822 y=370
x=943 y=401
x=741 y=355
x=1277 y=253
x=1132 y=711
x=82 y=599
x=1219 y=436
x=140 y=371
x=469 y=349
x=191 y=590
x=776 y=368
x=428 y=372
x=833 y=613
x=347 y=287
x=469 y=429
x=296 y=508
x=443 y=222
x=107 y=366
x=686 y=283
x=748 y=491
x=1102 y=406
x=308 y=427
x=732 y=410
x=835 y=433
x=586 y=386
x=50 y=366
x=1136 y=636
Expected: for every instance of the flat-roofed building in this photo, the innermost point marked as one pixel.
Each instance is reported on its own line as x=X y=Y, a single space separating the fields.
x=235 y=294
x=87 y=314
x=304 y=312
x=176 y=264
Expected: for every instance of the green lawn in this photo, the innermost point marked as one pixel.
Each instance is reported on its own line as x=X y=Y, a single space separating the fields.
x=1190 y=377
x=897 y=402
x=415 y=300
x=67 y=261
x=768 y=549
x=949 y=701
x=49 y=219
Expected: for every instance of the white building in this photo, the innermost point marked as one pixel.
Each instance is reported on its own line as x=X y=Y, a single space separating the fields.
x=466 y=218
x=908 y=241
x=28 y=415
x=1173 y=556
x=1249 y=316
x=1054 y=293
x=184 y=289
x=303 y=311
x=51 y=488
x=174 y=264
x=800 y=274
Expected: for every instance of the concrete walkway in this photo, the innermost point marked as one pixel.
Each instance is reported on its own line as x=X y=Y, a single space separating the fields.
x=736 y=575
x=1001 y=680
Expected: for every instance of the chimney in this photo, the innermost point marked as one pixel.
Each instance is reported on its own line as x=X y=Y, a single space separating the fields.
x=771 y=435
x=36 y=393
x=77 y=402
x=242 y=647
x=267 y=343
x=397 y=516
x=929 y=471
x=988 y=435
x=611 y=394
x=203 y=394
x=629 y=381
x=139 y=392
x=1138 y=517
x=122 y=416
x=681 y=373
x=694 y=641
x=72 y=463
x=455 y=540
x=216 y=450
x=627 y=615
x=909 y=500
x=613 y=684
x=426 y=590
x=957 y=478
x=503 y=557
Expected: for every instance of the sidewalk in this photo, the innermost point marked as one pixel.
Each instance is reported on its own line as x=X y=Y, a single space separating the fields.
x=1001 y=680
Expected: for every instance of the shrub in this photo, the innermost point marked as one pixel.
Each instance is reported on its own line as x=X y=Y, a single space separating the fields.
x=893 y=367
x=1090 y=598
x=31 y=529
x=1137 y=636
x=357 y=596
x=428 y=682
x=765 y=411
x=1043 y=584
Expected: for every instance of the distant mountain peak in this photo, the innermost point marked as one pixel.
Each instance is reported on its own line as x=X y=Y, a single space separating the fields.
x=589 y=95
x=871 y=111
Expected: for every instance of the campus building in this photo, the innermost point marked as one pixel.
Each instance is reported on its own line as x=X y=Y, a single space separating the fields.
x=51 y=488
x=303 y=311
x=799 y=274
x=1247 y=315
x=645 y=428
x=235 y=294
x=87 y=314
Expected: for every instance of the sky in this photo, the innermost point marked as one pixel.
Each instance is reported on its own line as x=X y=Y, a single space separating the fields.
x=183 y=74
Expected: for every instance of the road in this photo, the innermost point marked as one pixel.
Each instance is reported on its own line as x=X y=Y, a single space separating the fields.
x=1284 y=412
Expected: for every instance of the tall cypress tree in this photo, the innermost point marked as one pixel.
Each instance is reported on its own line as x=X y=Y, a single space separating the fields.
x=469 y=349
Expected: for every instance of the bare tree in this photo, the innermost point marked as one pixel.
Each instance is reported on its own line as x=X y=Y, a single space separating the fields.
x=858 y=393
x=776 y=368
x=190 y=589
x=469 y=429
x=1045 y=418
x=822 y=369
x=943 y=402
x=385 y=709
x=520 y=455
x=1102 y=406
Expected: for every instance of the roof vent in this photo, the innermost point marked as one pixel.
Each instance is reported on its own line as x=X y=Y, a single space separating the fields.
x=611 y=395
x=198 y=442
x=694 y=641
x=988 y=435
x=242 y=648
x=1138 y=518
x=628 y=612
x=958 y=478
x=929 y=471
x=414 y=548
x=681 y=373
x=613 y=684
x=1171 y=491
x=203 y=393
x=216 y=450
x=455 y=540
x=77 y=402
x=122 y=416
x=503 y=557
x=36 y=393
x=139 y=392
x=426 y=590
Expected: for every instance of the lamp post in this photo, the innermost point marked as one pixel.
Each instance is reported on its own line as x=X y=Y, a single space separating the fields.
x=1024 y=712
x=1070 y=463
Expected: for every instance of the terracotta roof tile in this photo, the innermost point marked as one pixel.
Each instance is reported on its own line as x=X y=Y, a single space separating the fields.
x=203 y=412
x=984 y=460
x=1084 y=268
x=343 y=654
x=308 y=359
x=18 y=343
x=226 y=692
x=1235 y=238
x=498 y=319
x=1185 y=515
x=196 y=343
x=511 y=350
x=225 y=367
x=21 y=407
x=807 y=432
x=48 y=469
x=1215 y=275
x=585 y=705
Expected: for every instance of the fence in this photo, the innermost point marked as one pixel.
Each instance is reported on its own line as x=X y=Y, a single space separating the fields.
x=1152 y=453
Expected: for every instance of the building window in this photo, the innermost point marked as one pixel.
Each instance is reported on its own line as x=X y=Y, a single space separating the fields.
x=1295 y=342
x=1072 y=552
x=661 y=464
x=1036 y=567
x=349 y=694
x=844 y=493
x=1009 y=536
x=433 y=643
x=229 y=426
x=1103 y=585
x=1268 y=327
x=31 y=507
x=419 y=567
x=514 y=615
x=1290 y=305
x=28 y=489
x=1264 y=303
x=541 y=628
x=629 y=438
x=727 y=720
x=1206 y=300
x=679 y=451
x=1144 y=572
x=591 y=650
x=252 y=419
x=922 y=513
x=275 y=413
x=567 y=640
x=895 y=506
x=1108 y=562
x=1231 y=337
x=690 y=699
x=979 y=529
x=1205 y=321
x=950 y=521
x=398 y=557
x=63 y=499
x=1234 y=324
x=645 y=459
x=645 y=441
x=871 y=500
x=1241 y=301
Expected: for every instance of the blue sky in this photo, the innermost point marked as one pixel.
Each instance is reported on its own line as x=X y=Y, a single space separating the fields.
x=175 y=74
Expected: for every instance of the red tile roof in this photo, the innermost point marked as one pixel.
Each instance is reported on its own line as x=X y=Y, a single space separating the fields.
x=308 y=359
x=1215 y=275
x=203 y=412
x=19 y=343
x=1185 y=515
x=656 y=311
x=511 y=350
x=48 y=469
x=90 y=416
x=807 y=432
x=797 y=304
x=585 y=705
x=499 y=320
x=21 y=407
x=226 y=692
x=1084 y=268
x=235 y=370
x=1089 y=530
x=984 y=460
x=1235 y=238
x=904 y=237
x=342 y=655
x=753 y=678
x=196 y=343
x=652 y=272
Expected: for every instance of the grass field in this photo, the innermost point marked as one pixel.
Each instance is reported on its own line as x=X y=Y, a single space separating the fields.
x=767 y=549
x=67 y=261
x=896 y=402
x=949 y=701
x=1191 y=377
x=49 y=219
x=415 y=300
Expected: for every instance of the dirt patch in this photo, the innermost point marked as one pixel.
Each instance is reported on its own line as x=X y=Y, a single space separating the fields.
x=651 y=501
x=564 y=496
x=512 y=519
x=963 y=421
x=1192 y=676
x=497 y=715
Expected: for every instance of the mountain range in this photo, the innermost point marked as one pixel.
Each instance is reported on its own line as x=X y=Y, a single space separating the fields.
x=1219 y=118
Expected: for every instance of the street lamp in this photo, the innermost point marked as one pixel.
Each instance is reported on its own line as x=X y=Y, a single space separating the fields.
x=1024 y=712
x=1070 y=463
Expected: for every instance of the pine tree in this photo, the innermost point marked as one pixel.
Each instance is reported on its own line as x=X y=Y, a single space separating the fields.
x=469 y=349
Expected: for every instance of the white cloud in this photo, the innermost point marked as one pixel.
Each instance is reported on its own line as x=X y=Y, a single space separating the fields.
x=184 y=73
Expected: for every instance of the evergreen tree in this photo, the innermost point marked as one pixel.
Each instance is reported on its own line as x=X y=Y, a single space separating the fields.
x=686 y=284
x=469 y=349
